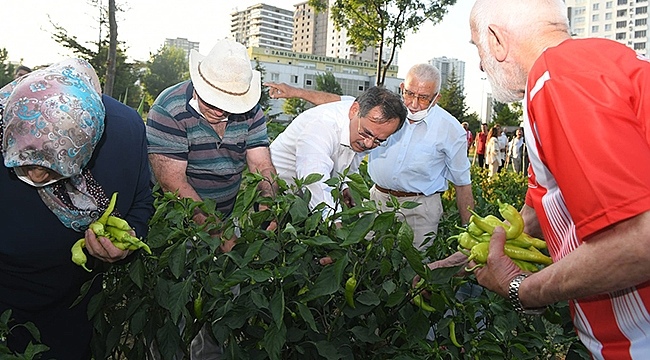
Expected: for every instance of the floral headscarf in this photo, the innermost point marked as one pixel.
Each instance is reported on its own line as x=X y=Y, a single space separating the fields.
x=54 y=118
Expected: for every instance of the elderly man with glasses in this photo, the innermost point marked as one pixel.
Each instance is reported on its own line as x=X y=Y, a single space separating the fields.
x=330 y=138
x=419 y=160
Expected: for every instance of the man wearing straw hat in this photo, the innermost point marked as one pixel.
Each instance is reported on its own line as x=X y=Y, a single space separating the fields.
x=204 y=132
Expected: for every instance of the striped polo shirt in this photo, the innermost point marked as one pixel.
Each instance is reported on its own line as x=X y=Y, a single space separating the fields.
x=214 y=165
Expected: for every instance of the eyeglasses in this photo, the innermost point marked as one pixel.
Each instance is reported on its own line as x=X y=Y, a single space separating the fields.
x=423 y=100
x=366 y=135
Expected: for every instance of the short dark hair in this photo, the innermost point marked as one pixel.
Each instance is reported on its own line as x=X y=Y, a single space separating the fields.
x=22 y=67
x=390 y=103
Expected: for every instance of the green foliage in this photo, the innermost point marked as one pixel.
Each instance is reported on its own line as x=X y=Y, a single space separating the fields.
x=6 y=68
x=452 y=97
x=33 y=350
x=294 y=106
x=507 y=114
x=269 y=298
x=165 y=68
x=327 y=82
x=382 y=23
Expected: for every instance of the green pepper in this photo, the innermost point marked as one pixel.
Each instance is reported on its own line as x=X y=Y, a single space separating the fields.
x=78 y=255
x=479 y=253
x=350 y=286
x=485 y=237
x=515 y=252
x=467 y=241
x=537 y=243
x=474 y=230
x=525 y=265
x=198 y=306
x=111 y=206
x=452 y=334
x=419 y=301
x=512 y=215
x=488 y=223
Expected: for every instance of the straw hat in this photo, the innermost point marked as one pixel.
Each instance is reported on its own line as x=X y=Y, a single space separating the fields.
x=225 y=78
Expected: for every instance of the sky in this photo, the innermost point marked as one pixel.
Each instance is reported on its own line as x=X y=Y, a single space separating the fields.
x=26 y=31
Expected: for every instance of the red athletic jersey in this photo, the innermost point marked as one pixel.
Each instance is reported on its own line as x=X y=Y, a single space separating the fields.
x=587 y=130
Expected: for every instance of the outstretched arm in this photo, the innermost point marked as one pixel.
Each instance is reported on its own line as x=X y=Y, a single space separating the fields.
x=284 y=91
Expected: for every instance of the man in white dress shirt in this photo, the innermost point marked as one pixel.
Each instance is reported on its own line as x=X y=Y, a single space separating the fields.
x=329 y=138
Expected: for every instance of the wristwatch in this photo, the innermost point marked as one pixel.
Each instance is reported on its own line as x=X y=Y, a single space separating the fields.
x=513 y=296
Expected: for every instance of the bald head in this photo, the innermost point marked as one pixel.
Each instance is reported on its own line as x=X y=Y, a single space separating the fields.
x=524 y=17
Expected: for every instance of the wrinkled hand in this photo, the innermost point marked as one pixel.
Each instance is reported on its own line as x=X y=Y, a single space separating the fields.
x=102 y=248
x=499 y=269
x=280 y=90
x=455 y=259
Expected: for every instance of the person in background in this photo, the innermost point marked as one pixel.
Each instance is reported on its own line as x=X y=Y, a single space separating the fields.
x=66 y=149
x=203 y=133
x=516 y=150
x=590 y=200
x=420 y=159
x=329 y=138
x=492 y=152
x=480 y=142
x=503 y=146
x=470 y=137
x=21 y=70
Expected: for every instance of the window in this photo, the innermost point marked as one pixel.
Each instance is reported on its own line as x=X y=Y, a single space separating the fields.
x=294 y=78
x=275 y=77
x=608 y=16
x=620 y=13
x=361 y=88
x=621 y=24
x=608 y=5
x=642 y=10
x=639 y=22
x=594 y=29
x=608 y=27
x=308 y=82
x=595 y=6
x=639 y=46
x=622 y=2
x=595 y=17
x=620 y=36
x=639 y=34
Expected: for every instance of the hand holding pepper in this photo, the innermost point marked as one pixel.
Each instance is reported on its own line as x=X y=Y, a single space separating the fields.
x=103 y=248
x=499 y=269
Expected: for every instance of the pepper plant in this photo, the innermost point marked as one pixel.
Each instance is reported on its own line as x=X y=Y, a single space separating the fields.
x=270 y=297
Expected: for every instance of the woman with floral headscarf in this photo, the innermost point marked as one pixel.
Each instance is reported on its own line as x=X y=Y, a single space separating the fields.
x=65 y=149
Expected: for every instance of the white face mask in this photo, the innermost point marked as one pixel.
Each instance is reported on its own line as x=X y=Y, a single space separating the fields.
x=22 y=175
x=418 y=116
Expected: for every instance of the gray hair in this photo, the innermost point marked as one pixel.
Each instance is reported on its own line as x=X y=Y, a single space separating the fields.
x=390 y=104
x=426 y=73
x=528 y=18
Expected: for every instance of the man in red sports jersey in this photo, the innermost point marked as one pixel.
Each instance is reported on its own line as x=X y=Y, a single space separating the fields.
x=589 y=191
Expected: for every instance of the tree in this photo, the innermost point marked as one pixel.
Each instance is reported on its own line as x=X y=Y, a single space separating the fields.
x=294 y=106
x=112 y=50
x=507 y=114
x=126 y=74
x=167 y=67
x=6 y=68
x=328 y=83
x=382 y=24
x=452 y=97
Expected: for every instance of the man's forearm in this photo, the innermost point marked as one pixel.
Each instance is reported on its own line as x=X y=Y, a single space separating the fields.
x=464 y=200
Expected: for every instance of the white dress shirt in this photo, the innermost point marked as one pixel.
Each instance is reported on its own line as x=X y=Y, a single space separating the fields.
x=317 y=141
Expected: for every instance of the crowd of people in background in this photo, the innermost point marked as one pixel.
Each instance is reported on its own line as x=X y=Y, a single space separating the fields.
x=496 y=149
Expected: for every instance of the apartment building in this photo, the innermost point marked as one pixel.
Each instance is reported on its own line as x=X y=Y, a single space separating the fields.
x=625 y=21
x=263 y=25
x=447 y=66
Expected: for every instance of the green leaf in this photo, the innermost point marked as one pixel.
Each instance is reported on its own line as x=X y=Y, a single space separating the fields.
x=319 y=240
x=259 y=300
x=299 y=210
x=368 y=298
x=168 y=340
x=289 y=229
x=276 y=307
x=409 y=204
x=179 y=294
x=389 y=286
x=176 y=259
x=395 y=298
x=274 y=340
x=360 y=230
x=306 y=315
x=327 y=350
x=312 y=178
x=384 y=222
x=252 y=251
x=137 y=272
x=365 y=334
x=138 y=321
x=329 y=280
